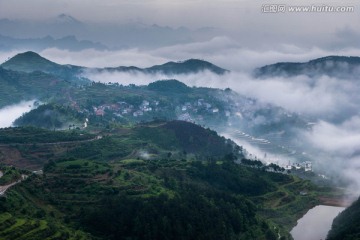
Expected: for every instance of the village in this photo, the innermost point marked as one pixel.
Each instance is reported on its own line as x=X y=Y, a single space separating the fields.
x=188 y=111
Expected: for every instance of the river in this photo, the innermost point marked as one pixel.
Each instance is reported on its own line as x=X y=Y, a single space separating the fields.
x=316 y=223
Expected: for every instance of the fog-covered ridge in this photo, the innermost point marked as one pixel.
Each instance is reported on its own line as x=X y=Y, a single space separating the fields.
x=332 y=66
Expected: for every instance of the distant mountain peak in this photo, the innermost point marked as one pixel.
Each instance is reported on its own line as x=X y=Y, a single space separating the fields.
x=65 y=18
x=28 y=56
x=187 y=66
x=173 y=68
x=28 y=62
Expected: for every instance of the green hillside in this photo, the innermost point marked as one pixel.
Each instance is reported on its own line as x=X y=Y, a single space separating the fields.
x=52 y=116
x=16 y=86
x=144 y=182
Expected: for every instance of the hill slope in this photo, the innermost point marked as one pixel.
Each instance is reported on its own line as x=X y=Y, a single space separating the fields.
x=139 y=183
x=16 y=86
x=346 y=226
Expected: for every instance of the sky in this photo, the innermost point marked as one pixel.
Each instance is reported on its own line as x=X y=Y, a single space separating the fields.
x=241 y=20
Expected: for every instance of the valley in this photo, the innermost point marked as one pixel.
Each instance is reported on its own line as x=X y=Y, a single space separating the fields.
x=134 y=156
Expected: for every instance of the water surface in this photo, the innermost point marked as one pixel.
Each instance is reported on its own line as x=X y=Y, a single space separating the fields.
x=316 y=223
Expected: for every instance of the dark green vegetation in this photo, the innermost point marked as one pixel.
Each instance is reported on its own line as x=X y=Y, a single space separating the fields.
x=32 y=135
x=51 y=116
x=346 y=226
x=333 y=66
x=159 y=180
x=108 y=104
x=170 y=86
x=15 y=86
x=8 y=175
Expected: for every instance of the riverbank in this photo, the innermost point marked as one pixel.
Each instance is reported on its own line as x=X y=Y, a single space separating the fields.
x=336 y=197
x=336 y=201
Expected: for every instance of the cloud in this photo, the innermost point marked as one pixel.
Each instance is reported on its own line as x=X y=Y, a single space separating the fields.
x=231 y=54
x=223 y=51
x=94 y=58
x=10 y=113
x=342 y=139
x=338 y=149
x=334 y=98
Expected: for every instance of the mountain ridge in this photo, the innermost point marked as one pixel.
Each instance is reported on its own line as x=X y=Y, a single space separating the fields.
x=31 y=61
x=332 y=66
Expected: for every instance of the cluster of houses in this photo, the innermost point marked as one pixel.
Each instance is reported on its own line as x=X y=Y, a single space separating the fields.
x=189 y=111
x=184 y=111
x=124 y=108
x=306 y=166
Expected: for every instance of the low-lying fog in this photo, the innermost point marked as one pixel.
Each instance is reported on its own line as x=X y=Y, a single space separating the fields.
x=10 y=113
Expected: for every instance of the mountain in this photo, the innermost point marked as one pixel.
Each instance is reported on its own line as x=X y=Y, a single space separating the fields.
x=38 y=44
x=347 y=224
x=186 y=67
x=171 y=68
x=332 y=66
x=68 y=19
x=31 y=61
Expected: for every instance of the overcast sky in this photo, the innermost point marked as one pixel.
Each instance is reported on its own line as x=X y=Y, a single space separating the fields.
x=241 y=20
